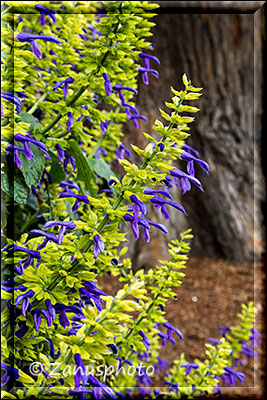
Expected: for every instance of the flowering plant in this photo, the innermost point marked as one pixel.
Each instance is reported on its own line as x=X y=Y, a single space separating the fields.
x=70 y=72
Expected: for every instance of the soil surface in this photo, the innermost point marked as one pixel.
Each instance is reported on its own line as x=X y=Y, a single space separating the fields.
x=211 y=295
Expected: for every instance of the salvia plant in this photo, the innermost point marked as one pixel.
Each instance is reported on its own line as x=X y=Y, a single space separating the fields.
x=70 y=71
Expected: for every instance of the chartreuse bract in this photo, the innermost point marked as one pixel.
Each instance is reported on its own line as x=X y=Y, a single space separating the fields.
x=70 y=71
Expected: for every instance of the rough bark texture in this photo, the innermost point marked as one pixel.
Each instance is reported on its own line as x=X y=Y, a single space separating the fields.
x=217 y=53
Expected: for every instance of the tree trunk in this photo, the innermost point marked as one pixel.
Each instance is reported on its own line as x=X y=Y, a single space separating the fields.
x=217 y=53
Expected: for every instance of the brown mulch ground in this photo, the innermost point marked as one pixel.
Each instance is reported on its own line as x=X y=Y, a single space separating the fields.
x=211 y=295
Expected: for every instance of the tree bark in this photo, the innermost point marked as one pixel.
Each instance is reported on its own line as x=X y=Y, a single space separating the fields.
x=217 y=53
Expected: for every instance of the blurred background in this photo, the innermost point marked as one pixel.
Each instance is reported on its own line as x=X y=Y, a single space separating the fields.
x=219 y=45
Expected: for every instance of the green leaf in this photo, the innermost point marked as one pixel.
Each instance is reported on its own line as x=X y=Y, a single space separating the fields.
x=28 y=118
x=32 y=170
x=101 y=168
x=85 y=172
x=15 y=187
x=3 y=213
x=56 y=170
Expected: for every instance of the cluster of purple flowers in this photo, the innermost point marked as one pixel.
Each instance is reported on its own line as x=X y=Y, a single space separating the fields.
x=26 y=140
x=146 y=69
x=12 y=98
x=128 y=108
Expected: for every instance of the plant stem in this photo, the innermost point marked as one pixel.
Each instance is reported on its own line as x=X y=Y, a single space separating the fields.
x=34 y=107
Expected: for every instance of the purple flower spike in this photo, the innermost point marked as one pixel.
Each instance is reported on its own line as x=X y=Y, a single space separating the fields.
x=232 y=375
x=135 y=118
x=99 y=246
x=66 y=83
x=11 y=97
x=140 y=205
x=190 y=149
x=172 y=328
x=80 y=372
x=146 y=57
x=44 y=11
x=144 y=72
x=189 y=367
x=161 y=204
x=99 y=387
x=120 y=154
x=70 y=121
x=155 y=192
x=25 y=300
x=79 y=198
x=107 y=84
x=104 y=126
x=31 y=38
x=185 y=180
x=190 y=158
x=145 y=340
x=63 y=319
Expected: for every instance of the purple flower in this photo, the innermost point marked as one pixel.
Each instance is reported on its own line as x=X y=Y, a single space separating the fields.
x=146 y=69
x=190 y=149
x=190 y=167
x=145 y=340
x=255 y=337
x=80 y=372
x=144 y=72
x=161 y=146
x=14 y=247
x=172 y=328
x=107 y=84
x=12 y=372
x=152 y=192
x=148 y=57
x=44 y=11
x=48 y=236
x=70 y=121
x=64 y=155
x=31 y=38
x=26 y=140
x=100 y=151
x=121 y=153
x=90 y=294
x=12 y=98
x=185 y=180
x=66 y=83
x=98 y=387
x=99 y=246
x=160 y=203
x=138 y=206
x=144 y=223
x=161 y=365
x=79 y=198
x=37 y=316
x=247 y=351
x=231 y=376
x=135 y=118
x=104 y=126
x=25 y=300
x=63 y=319
x=51 y=313
x=69 y=184
x=223 y=330
x=120 y=88
x=189 y=367
x=29 y=260
x=66 y=225
x=213 y=341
